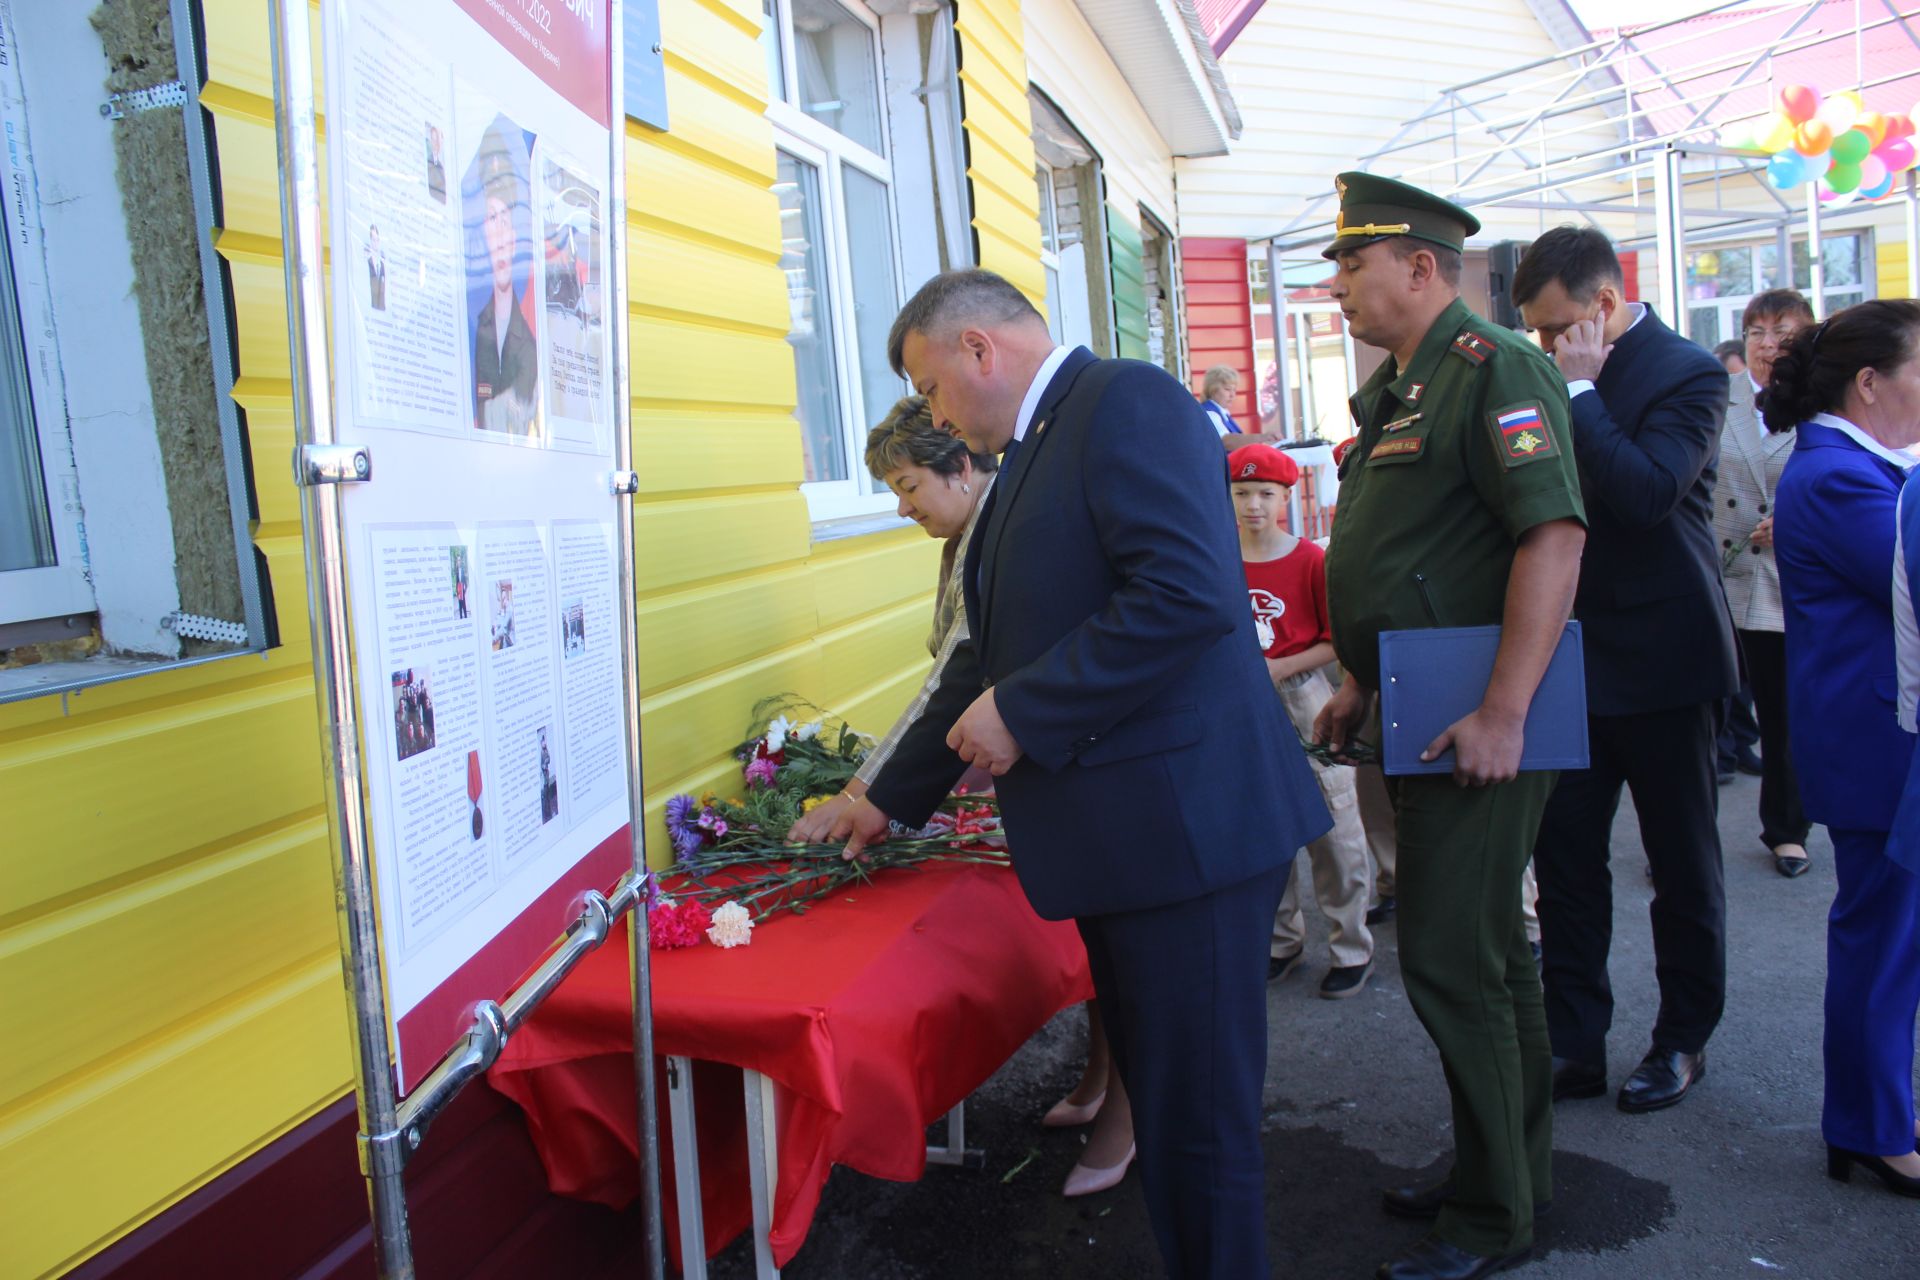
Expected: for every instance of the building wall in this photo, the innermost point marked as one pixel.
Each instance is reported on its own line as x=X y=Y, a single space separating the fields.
x=169 y=968
x=1070 y=65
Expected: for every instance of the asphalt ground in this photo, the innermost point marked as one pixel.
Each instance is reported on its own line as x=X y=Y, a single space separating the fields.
x=1729 y=1183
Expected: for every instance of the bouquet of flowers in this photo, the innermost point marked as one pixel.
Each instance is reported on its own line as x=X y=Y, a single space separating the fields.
x=734 y=852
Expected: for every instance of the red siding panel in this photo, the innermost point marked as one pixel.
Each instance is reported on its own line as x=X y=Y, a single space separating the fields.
x=1218 y=306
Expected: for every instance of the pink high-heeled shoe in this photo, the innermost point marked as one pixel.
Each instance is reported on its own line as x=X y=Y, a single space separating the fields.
x=1083 y=1181
x=1067 y=1113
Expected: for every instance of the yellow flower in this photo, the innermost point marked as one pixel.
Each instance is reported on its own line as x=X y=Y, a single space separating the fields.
x=814 y=803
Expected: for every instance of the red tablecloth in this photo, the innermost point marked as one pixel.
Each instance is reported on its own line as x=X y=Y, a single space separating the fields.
x=876 y=1011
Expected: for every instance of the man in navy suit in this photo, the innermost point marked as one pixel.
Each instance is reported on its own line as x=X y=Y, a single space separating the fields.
x=1151 y=787
x=1647 y=411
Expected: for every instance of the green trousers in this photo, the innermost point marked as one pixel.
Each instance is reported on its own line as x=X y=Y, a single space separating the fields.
x=1470 y=977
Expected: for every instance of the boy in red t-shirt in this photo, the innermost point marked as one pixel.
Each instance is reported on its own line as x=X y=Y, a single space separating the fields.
x=1287 y=587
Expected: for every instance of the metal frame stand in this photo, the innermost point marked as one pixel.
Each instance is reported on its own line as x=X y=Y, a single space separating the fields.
x=392 y=1128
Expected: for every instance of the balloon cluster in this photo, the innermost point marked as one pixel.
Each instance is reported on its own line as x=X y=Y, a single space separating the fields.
x=1851 y=152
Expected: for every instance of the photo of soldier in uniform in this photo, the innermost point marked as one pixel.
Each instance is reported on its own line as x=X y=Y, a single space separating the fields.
x=573 y=628
x=498 y=219
x=412 y=713
x=376 y=271
x=570 y=216
x=503 y=614
x=549 y=783
x=436 y=164
x=457 y=566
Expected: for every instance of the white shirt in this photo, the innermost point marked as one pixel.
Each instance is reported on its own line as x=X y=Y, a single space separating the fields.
x=1906 y=632
x=1048 y=367
x=1898 y=457
x=1580 y=385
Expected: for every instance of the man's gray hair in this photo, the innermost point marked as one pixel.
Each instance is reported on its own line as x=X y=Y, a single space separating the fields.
x=955 y=300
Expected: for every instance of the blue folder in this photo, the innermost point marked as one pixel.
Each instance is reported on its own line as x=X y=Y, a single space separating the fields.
x=1431 y=678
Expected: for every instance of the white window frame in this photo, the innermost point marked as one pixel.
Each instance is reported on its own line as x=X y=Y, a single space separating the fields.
x=832 y=152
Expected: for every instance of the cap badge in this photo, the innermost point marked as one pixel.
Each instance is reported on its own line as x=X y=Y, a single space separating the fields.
x=1248 y=469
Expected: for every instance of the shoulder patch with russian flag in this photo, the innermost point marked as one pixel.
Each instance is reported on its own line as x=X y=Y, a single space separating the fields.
x=1522 y=433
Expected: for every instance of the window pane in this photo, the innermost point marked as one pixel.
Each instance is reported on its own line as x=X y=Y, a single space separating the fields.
x=770 y=47
x=1703 y=325
x=26 y=541
x=838 y=83
x=802 y=243
x=1770 y=277
x=876 y=297
x=1049 y=223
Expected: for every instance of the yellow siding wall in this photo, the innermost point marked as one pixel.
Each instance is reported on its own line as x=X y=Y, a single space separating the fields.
x=1890 y=250
x=999 y=127
x=169 y=979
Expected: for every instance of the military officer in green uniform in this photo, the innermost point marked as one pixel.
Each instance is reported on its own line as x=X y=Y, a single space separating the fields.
x=1459 y=506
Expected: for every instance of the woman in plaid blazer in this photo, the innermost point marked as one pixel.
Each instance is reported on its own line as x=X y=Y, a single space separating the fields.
x=1751 y=459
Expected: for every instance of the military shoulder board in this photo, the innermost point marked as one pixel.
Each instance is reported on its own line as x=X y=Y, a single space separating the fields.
x=1472 y=348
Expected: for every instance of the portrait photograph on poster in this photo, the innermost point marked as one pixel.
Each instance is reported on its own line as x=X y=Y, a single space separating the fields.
x=436 y=163
x=549 y=781
x=458 y=569
x=412 y=713
x=570 y=215
x=573 y=628
x=501 y=313
x=503 y=614
x=376 y=271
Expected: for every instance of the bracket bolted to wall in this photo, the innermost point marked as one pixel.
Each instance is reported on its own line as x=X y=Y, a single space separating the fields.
x=119 y=106
x=624 y=482
x=315 y=464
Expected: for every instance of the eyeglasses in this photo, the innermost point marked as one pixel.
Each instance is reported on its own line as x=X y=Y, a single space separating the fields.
x=1779 y=333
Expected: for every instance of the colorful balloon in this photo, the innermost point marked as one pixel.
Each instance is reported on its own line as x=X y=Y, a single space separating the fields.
x=1813 y=138
x=1799 y=103
x=1898 y=155
x=1787 y=170
x=1873 y=171
x=1774 y=132
x=1851 y=147
x=1898 y=127
x=1874 y=125
x=1874 y=193
x=1840 y=110
x=1843 y=178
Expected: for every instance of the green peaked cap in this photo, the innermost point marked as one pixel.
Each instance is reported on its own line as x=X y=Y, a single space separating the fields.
x=1374 y=208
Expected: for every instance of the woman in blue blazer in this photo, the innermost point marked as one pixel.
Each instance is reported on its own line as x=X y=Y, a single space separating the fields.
x=1851 y=389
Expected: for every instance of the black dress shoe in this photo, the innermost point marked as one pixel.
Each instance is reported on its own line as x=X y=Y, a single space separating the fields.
x=1425 y=1202
x=1662 y=1079
x=1575 y=1079
x=1431 y=1258
x=1748 y=763
x=1840 y=1164
x=1278 y=967
x=1383 y=910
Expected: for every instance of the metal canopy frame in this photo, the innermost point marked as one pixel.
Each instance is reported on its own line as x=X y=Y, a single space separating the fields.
x=1620 y=133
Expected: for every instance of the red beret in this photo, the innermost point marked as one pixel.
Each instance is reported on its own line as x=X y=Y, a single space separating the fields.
x=1262 y=462
x=1340 y=450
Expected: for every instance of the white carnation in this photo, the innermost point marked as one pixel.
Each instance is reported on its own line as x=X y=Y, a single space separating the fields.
x=732 y=926
x=777 y=734
x=807 y=732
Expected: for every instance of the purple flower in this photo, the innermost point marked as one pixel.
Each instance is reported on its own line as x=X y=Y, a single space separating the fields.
x=760 y=772
x=686 y=836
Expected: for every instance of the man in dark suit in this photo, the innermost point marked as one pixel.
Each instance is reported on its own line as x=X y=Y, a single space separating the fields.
x=1151 y=786
x=1647 y=411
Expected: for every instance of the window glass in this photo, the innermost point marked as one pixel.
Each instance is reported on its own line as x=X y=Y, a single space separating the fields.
x=839 y=82
x=26 y=541
x=802 y=241
x=875 y=293
x=770 y=47
x=1703 y=325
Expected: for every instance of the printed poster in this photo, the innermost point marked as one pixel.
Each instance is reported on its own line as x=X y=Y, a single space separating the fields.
x=470 y=156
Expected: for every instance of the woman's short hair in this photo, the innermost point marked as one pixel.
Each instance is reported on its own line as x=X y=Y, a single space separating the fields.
x=1772 y=304
x=1813 y=371
x=1218 y=377
x=907 y=436
x=1731 y=349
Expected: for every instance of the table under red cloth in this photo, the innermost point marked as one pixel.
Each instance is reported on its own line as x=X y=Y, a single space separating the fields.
x=876 y=1012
